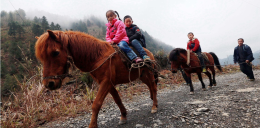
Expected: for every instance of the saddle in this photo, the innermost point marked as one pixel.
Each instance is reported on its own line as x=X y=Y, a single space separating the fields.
x=204 y=56
x=124 y=57
x=151 y=65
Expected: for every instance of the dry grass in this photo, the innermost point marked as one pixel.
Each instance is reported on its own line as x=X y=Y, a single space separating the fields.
x=34 y=105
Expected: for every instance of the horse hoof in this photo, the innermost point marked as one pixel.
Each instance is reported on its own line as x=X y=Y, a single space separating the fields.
x=191 y=93
x=209 y=87
x=154 y=110
x=122 y=121
x=214 y=84
x=204 y=89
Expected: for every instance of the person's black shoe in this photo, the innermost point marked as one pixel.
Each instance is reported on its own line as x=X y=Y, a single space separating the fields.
x=252 y=79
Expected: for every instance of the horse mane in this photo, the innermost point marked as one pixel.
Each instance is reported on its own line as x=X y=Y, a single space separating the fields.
x=81 y=46
x=175 y=53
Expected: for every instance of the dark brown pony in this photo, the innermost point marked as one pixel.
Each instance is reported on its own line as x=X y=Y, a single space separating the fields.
x=89 y=55
x=178 y=57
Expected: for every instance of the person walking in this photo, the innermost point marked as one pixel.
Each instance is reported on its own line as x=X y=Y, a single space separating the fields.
x=244 y=56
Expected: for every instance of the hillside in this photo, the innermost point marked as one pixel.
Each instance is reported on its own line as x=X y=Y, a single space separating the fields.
x=18 y=40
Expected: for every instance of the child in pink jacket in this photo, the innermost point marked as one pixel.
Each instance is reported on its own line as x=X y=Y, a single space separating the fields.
x=116 y=34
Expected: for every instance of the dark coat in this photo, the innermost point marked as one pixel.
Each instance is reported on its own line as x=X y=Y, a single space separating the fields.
x=133 y=33
x=247 y=52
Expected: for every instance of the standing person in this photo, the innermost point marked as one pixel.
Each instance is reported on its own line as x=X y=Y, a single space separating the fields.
x=116 y=34
x=194 y=46
x=243 y=56
x=135 y=37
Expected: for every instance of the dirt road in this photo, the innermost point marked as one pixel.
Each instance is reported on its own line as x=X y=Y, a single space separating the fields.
x=234 y=102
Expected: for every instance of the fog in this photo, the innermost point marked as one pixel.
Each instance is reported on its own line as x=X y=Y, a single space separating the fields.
x=216 y=23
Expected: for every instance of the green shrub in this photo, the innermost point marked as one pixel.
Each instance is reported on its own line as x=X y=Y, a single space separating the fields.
x=87 y=79
x=161 y=58
x=10 y=84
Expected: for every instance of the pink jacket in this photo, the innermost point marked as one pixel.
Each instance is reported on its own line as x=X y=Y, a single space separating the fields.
x=116 y=32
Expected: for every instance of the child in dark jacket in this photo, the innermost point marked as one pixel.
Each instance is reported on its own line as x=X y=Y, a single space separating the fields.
x=134 y=34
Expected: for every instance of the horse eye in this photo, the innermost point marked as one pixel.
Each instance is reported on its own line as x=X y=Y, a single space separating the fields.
x=55 y=53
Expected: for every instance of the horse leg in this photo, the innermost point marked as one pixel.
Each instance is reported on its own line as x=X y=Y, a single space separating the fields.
x=210 y=80
x=118 y=101
x=148 y=79
x=213 y=73
x=151 y=93
x=202 y=83
x=190 y=84
x=102 y=93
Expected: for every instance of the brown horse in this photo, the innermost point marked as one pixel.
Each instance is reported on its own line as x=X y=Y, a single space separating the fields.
x=178 y=57
x=89 y=54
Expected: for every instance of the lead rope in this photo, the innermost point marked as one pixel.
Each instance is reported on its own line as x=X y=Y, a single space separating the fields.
x=103 y=62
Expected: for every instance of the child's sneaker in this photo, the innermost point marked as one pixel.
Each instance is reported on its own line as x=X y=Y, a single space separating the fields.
x=145 y=58
x=204 y=70
x=138 y=59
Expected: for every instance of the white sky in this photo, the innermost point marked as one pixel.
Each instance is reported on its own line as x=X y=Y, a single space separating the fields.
x=216 y=23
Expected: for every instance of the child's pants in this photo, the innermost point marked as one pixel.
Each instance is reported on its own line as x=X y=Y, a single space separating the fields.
x=129 y=52
x=136 y=44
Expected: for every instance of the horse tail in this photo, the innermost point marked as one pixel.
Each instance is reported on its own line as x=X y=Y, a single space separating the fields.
x=216 y=61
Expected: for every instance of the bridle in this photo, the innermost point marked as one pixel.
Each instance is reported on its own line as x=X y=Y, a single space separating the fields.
x=178 y=61
x=69 y=63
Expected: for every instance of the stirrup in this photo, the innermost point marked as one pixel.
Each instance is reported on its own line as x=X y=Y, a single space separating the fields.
x=138 y=65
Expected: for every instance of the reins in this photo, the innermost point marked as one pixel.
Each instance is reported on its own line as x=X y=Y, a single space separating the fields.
x=71 y=62
x=103 y=62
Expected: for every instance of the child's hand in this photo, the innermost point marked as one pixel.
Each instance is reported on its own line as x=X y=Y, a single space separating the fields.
x=112 y=42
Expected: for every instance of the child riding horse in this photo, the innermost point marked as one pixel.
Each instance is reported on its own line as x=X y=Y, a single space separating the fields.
x=178 y=57
x=55 y=48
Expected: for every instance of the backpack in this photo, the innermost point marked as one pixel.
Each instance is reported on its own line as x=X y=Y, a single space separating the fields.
x=142 y=39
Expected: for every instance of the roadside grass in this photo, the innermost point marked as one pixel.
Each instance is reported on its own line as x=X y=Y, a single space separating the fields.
x=34 y=105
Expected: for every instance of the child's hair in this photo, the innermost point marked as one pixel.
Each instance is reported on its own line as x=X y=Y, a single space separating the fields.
x=127 y=16
x=115 y=12
x=190 y=33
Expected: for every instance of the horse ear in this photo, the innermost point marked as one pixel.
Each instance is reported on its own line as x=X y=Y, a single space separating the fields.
x=52 y=35
x=37 y=37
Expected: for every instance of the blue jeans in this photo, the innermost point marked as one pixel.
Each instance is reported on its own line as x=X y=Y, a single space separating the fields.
x=136 y=44
x=128 y=51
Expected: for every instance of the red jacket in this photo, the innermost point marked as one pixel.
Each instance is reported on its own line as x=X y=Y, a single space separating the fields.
x=193 y=41
x=116 y=32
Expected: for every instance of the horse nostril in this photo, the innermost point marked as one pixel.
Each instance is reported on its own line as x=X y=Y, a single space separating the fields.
x=51 y=84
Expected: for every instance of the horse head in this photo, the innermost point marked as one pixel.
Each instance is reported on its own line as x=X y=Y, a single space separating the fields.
x=175 y=59
x=51 y=50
